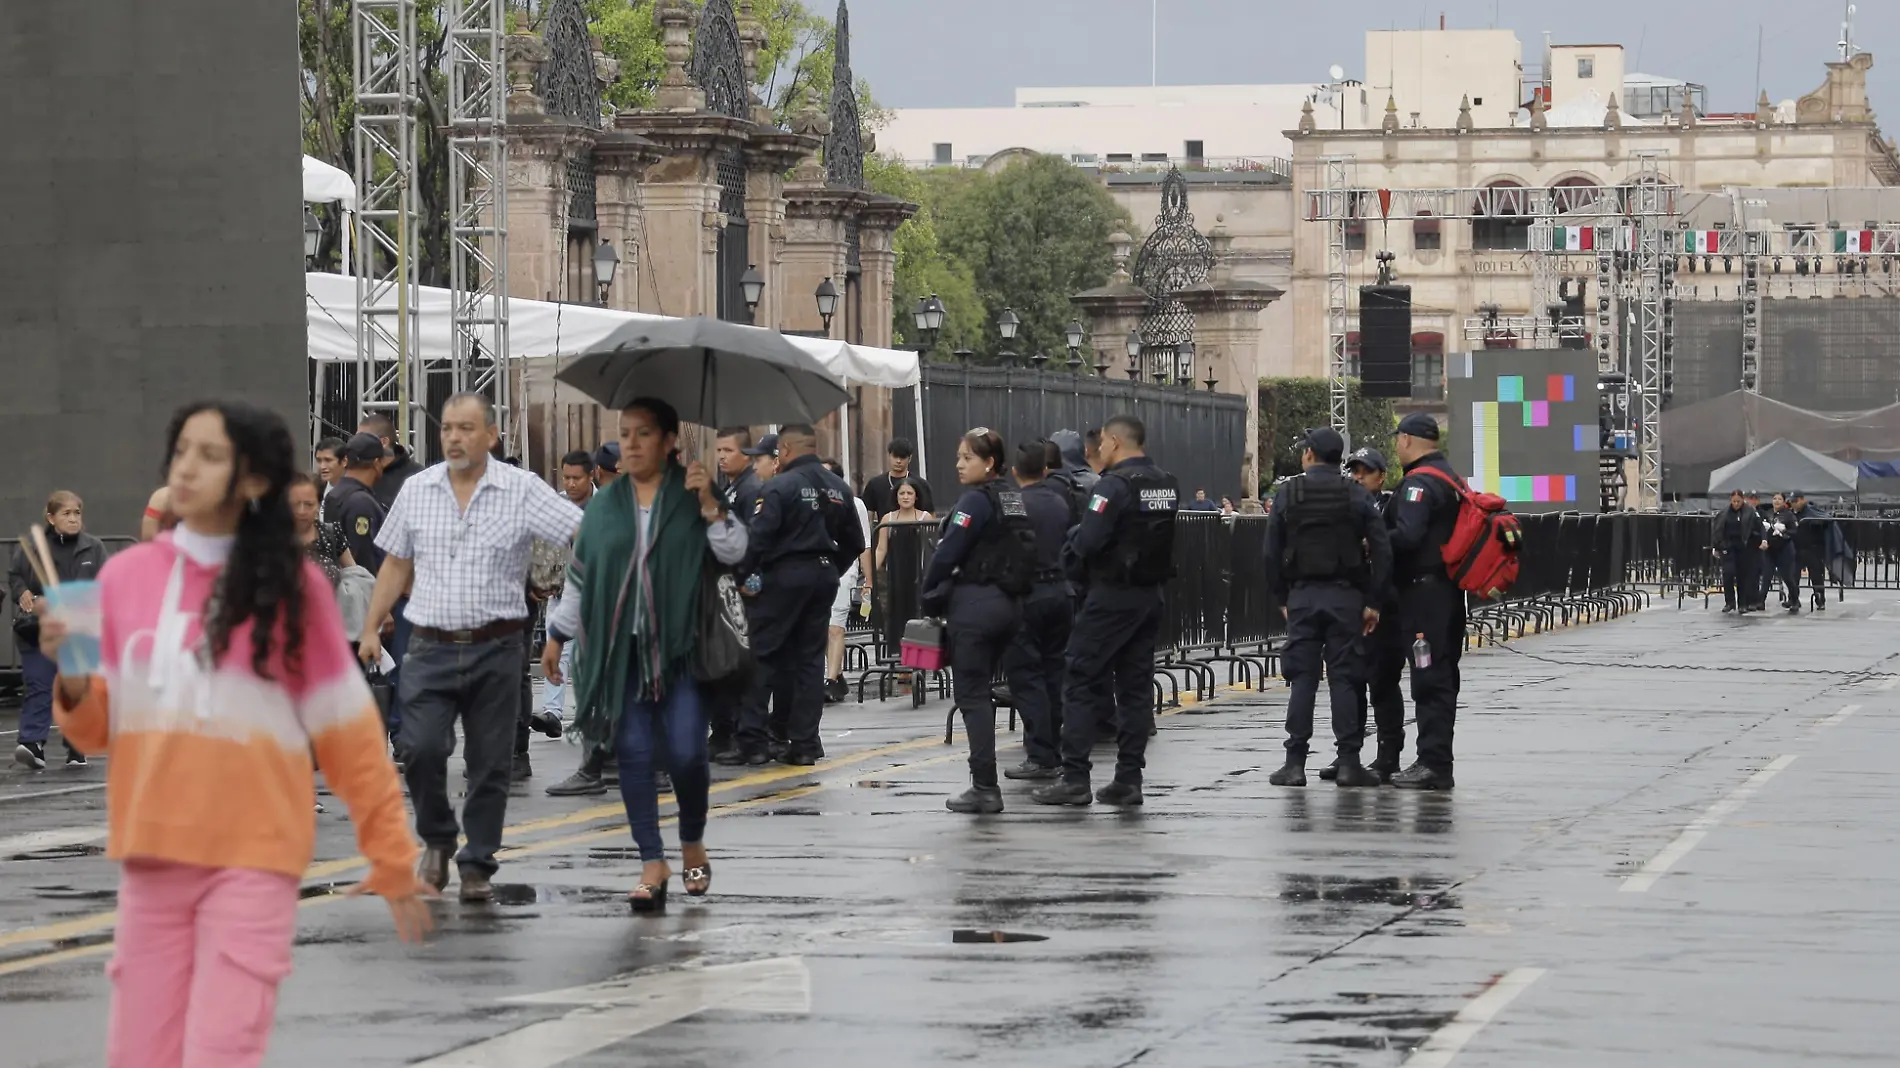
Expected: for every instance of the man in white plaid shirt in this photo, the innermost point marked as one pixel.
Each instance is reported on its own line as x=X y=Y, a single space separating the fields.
x=463 y=532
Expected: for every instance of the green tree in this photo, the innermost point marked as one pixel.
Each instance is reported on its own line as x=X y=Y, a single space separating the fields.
x=1031 y=236
x=1288 y=406
x=923 y=267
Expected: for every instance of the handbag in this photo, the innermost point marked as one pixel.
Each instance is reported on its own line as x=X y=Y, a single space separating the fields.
x=925 y=645
x=723 y=652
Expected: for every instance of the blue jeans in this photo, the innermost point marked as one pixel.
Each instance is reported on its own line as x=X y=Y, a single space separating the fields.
x=36 y=713
x=397 y=647
x=674 y=727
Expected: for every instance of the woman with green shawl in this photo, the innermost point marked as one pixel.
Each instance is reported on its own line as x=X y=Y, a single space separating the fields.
x=631 y=607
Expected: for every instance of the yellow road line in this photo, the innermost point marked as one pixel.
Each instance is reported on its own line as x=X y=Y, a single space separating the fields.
x=81 y=926
x=82 y=952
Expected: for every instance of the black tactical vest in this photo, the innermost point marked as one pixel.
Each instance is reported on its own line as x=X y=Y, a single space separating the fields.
x=1325 y=539
x=1004 y=555
x=1142 y=550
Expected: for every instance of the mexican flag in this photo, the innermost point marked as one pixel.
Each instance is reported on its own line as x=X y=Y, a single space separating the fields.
x=1703 y=242
x=1578 y=238
x=1853 y=241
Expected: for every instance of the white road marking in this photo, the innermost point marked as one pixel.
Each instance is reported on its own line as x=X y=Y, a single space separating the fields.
x=1888 y=684
x=54 y=839
x=1700 y=827
x=53 y=793
x=1838 y=716
x=1444 y=1043
x=619 y=1009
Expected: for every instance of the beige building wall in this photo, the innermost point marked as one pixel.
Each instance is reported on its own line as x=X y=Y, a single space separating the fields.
x=1427 y=72
x=1450 y=283
x=1578 y=70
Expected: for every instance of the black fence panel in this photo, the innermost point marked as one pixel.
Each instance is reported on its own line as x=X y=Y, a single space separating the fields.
x=1197 y=435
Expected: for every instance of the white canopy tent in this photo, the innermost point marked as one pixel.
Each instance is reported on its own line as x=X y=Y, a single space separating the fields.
x=324 y=184
x=539 y=329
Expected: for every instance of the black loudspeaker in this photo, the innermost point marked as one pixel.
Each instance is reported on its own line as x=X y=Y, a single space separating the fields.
x=1385 y=341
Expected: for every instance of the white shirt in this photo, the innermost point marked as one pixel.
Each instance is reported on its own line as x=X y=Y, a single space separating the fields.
x=472 y=566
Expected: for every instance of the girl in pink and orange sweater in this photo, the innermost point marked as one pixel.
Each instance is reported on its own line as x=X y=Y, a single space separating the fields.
x=224 y=666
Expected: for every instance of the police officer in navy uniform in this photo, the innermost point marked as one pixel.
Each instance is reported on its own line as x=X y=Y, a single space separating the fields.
x=1738 y=533
x=1431 y=606
x=1034 y=663
x=352 y=504
x=984 y=564
x=803 y=537
x=1382 y=653
x=1124 y=550
x=1329 y=562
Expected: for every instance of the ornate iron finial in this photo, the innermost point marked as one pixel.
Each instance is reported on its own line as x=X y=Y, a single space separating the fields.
x=567 y=81
x=844 y=149
x=718 y=63
x=1174 y=257
x=1306 y=116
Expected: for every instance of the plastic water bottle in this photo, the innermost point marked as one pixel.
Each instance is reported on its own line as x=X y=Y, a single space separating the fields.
x=1421 y=653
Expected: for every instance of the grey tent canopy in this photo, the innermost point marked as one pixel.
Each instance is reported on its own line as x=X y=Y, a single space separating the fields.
x=1783 y=467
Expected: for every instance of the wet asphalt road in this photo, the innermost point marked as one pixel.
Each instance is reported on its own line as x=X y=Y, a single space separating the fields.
x=1673 y=843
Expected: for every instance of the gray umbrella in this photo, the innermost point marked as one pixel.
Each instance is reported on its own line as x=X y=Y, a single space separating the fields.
x=715 y=373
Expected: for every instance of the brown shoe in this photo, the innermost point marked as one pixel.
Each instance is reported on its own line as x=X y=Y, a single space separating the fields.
x=433 y=868
x=475 y=886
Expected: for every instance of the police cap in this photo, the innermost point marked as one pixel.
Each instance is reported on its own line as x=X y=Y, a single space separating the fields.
x=1325 y=442
x=607 y=457
x=1419 y=425
x=767 y=446
x=1369 y=458
x=363 y=449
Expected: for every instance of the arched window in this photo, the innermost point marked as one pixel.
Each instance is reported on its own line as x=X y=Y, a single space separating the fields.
x=1503 y=222
x=1576 y=193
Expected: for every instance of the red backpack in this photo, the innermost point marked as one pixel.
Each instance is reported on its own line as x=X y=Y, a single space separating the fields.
x=1481 y=554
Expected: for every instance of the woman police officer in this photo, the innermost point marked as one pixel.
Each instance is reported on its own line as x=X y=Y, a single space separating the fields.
x=985 y=562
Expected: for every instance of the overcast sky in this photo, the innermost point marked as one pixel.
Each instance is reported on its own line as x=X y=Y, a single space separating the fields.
x=967 y=53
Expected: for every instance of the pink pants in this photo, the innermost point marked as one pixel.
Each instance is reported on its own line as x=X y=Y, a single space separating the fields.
x=197 y=960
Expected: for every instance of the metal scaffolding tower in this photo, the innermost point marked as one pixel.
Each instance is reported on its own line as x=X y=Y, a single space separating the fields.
x=388 y=379
x=384 y=35
x=1339 y=203
x=478 y=208
x=1648 y=284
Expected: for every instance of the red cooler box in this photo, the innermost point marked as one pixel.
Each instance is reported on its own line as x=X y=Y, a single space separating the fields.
x=924 y=645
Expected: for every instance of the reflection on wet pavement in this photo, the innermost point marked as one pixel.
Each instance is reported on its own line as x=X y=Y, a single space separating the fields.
x=1228 y=923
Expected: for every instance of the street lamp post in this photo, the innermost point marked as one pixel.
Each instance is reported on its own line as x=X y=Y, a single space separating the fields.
x=312 y=234
x=1184 y=364
x=928 y=318
x=606 y=264
x=1074 y=335
x=827 y=297
x=1007 y=326
x=1133 y=346
x=752 y=288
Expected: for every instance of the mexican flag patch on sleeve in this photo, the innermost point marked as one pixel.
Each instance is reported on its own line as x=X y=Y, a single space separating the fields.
x=959 y=519
x=1098 y=504
x=1414 y=494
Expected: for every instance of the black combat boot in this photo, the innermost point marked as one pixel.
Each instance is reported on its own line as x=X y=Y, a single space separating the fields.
x=1349 y=772
x=1292 y=774
x=1420 y=777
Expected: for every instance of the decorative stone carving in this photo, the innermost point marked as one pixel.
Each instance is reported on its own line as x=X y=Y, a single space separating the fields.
x=1612 y=118
x=1390 y=124
x=675 y=92
x=1539 y=121
x=1307 y=125
x=525 y=54
x=1464 y=114
x=1764 y=111
x=1842 y=97
x=1688 y=113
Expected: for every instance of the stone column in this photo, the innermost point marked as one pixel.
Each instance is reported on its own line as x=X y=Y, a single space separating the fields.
x=1227 y=341
x=620 y=161
x=680 y=260
x=539 y=148
x=1113 y=311
x=812 y=251
x=769 y=154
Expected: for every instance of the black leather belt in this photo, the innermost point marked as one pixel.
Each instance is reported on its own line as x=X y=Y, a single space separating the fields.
x=486 y=632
